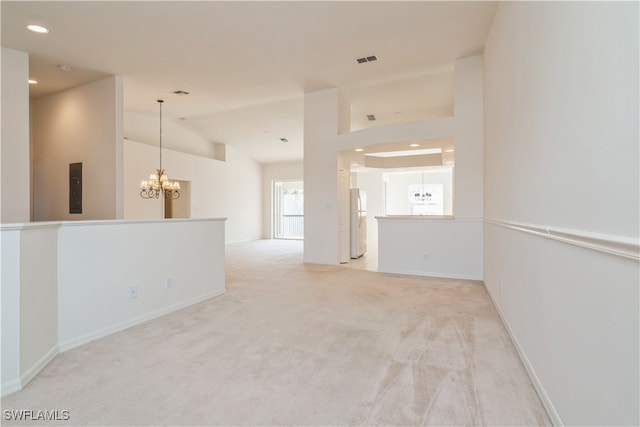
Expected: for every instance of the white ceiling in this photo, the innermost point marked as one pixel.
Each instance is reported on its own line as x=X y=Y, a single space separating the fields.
x=247 y=65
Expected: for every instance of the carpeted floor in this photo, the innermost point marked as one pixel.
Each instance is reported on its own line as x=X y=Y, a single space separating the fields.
x=296 y=344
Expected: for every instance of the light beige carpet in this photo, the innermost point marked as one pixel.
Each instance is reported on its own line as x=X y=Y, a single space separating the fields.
x=296 y=344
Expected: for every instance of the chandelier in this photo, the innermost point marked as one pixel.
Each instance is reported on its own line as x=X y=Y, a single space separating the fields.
x=424 y=196
x=158 y=183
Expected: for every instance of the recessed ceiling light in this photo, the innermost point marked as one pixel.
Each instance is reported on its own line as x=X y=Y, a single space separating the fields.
x=359 y=149
x=414 y=145
x=33 y=82
x=406 y=153
x=37 y=28
x=450 y=150
x=284 y=140
x=64 y=67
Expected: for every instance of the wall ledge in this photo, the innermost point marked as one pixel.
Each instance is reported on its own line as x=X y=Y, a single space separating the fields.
x=55 y=224
x=428 y=218
x=29 y=225
x=136 y=221
x=622 y=246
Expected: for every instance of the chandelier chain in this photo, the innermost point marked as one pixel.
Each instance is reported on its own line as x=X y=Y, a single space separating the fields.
x=158 y=183
x=160 y=101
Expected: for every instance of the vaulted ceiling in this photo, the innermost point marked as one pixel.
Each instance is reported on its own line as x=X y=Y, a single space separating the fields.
x=247 y=65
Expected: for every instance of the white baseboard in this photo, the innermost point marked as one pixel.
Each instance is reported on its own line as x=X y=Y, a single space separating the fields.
x=18 y=384
x=11 y=387
x=537 y=384
x=431 y=274
x=39 y=365
x=76 y=342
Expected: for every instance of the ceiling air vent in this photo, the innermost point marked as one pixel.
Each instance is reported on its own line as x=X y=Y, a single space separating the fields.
x=284 y=140
x=180 y=92
x=371 y=117
x=367 y=59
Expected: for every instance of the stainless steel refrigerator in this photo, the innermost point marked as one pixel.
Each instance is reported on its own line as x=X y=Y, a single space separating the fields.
x=358 y=223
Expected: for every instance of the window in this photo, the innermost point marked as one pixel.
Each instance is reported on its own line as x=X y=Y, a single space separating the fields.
x=426 y=199
x=288 y=210
x=419 y=192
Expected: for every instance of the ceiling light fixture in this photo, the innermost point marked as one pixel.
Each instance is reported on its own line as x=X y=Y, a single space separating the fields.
x=158 y=183
x=423 y=196
x=414 y=145
x=33 y=82
x=37 y=29
x=405 y=153
x=359 y=150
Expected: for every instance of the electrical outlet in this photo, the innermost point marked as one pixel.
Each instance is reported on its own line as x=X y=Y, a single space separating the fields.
x=133 y=291
x=169 y=283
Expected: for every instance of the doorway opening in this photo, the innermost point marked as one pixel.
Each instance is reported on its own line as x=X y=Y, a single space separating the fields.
x=180 y=207
x=288 y=210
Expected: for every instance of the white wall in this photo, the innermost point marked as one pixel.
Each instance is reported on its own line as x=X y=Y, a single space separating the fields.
x=57 y=294
x=561 y=195
x=326 y=124
x=14 y=149
x=289 y=171
x=467 y=130
x=231 y=188
x=325 y=138
x=10 y=274
x=139 y=126
x=321 y=126
x=94 y=297
x=29 y=301
x=430 y=247
x=242 y=202
x=38 y=298
x=468 y=104
x=81 y=124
